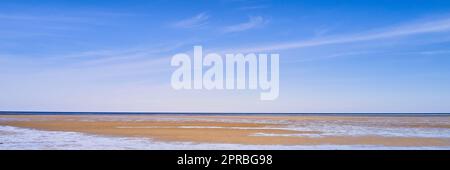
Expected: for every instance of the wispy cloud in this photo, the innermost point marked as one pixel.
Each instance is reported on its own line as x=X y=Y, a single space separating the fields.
x=255 y=7
x=193 y=22
x=66 y=16
x=25 y=17
x=52 y=24
x=253 y=22
x=434 y=52
x=410 y=29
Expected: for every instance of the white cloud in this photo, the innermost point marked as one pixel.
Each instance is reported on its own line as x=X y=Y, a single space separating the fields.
x=253 y=7
x=253 y=22
x=196 y=21
x=38 y=17
x=416 y=28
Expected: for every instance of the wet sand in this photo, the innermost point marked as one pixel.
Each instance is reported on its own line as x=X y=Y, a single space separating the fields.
x=236 y=129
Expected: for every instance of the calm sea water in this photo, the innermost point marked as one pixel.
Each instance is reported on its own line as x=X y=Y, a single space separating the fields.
x=219 y=114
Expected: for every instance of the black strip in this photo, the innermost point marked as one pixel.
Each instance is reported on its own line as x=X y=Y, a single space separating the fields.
x=280 y=159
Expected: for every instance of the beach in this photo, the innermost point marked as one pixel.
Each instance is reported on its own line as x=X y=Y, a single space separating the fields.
x=229 y=132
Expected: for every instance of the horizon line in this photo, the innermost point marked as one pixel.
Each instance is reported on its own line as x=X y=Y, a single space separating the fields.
x=232 y=113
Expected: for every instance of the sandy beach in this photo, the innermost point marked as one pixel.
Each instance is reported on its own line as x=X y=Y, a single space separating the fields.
x=251 y=130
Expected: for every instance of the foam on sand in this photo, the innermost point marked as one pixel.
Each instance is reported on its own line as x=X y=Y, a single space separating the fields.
x=24 y=138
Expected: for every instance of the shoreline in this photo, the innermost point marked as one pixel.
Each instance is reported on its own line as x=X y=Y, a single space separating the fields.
x=249 y=130
x=369 y=114
x=56 y=140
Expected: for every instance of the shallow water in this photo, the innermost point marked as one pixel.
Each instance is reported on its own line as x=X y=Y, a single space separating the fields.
x=24 y=138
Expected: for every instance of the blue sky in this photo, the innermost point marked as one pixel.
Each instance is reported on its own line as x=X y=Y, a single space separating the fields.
x=352 y=56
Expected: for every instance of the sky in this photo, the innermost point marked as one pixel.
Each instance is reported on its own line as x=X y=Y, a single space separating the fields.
x=335 y=56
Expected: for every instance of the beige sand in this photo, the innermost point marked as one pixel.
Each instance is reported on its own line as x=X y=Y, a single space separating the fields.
x=212 y=129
